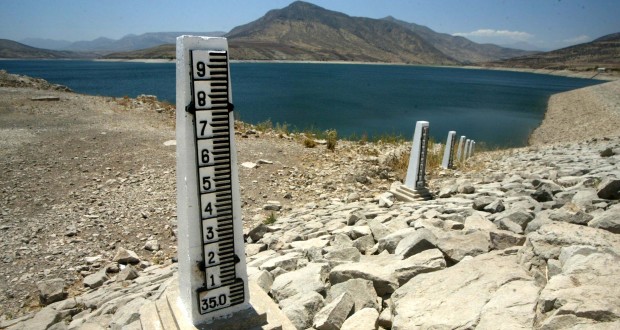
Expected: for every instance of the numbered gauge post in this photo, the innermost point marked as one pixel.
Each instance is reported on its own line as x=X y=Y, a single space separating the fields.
x=212 y=270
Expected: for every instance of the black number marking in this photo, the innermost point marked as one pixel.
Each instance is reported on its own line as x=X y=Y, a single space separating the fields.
x=205 y=156
x=212 y=279
x=206 y=183
x=211 y=256
x=204 y=125
x=210 y=233
x=209 y=209
x=213 y=302
x=202 y=98
x=200 y=69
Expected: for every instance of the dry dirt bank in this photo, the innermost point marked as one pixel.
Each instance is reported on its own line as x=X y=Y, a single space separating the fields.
x=582 y=114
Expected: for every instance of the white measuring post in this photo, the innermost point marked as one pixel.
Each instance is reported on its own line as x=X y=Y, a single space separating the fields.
x=212 y=270
x=459 y=149
x=448 y=153
x=416 y=171
x=471 y=148
x=466 y=151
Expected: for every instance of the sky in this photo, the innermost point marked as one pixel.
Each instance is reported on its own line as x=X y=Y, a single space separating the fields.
x=543 y=24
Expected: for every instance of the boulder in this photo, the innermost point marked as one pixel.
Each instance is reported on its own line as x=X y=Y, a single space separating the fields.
x=490 y=287
x=332 y=315
x=570 y=215
x=456 y=247
x=287 y=262
x=378 y=230
x=424 y=262
x=124 y=256
x=300 y=309
x=51 y=290
x=495 y=207
x=503 y=239
x=364 y=243
x=127 y=313
x=422 y=239
x=609 y=188
x=586 y=290
x=258 y=232
x=361 y=291
x=349 y=254
x=96 y=280
x=608 y=220
x=365 y=319
x=127 y=274
x=519 y=216
x=372 y=268
x=390 y=242
x=481 y=202
x=477 y=221
x=310 y=278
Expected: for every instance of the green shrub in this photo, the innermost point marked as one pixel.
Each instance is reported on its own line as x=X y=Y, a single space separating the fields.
x=332 y=139
x=271 y=219
x=309 y=142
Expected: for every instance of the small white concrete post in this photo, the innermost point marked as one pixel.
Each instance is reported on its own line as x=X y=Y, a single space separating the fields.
x=448 y=152
x=416 y=171
x=466 y=151
x=212 y=269
x=459 y=149
x=471 y=148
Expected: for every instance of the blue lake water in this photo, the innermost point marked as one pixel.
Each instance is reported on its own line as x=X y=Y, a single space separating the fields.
x=496 y=107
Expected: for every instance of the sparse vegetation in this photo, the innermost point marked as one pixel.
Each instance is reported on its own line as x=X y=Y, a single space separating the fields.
x=332 y=139
x=264 y=126
x=271 y=219
x=309 y=142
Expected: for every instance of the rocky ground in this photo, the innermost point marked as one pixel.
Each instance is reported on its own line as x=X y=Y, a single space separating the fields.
x=82 y=176
x=518 y=239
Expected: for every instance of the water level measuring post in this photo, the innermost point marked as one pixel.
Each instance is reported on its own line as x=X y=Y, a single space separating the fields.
x=448 y=153
x=416 y=171
x=459 y=149
x=212 y=269
x=466 y=150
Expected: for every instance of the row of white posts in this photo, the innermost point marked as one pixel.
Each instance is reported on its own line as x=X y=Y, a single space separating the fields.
x=415 y=178
x=464 y=150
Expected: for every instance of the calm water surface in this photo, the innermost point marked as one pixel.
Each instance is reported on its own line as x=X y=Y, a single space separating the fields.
x=496 y=107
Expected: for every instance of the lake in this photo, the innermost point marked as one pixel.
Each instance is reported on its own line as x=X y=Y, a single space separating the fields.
x=499 y=108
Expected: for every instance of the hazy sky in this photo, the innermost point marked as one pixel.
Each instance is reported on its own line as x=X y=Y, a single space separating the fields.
x=545 y=24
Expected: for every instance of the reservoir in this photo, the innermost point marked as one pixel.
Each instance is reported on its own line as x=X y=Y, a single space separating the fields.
x=499 y=108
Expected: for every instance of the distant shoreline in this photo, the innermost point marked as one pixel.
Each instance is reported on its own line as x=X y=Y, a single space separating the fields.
x=604 y=76
x=564 y=73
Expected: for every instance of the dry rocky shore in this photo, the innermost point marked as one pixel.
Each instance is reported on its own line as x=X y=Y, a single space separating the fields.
x=517 y=239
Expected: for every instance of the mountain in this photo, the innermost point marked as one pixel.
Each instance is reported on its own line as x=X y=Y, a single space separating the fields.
x=167 y=51
x=134 y=42
x=603 y=52
x=46 y=43
x=303 y=31
x=14 y=49
x=460 y=48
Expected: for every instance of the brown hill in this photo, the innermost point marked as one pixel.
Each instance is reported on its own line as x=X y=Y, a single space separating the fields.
x=303 y=31
x=167 y=51
x=13 y=49
x=603 y=52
